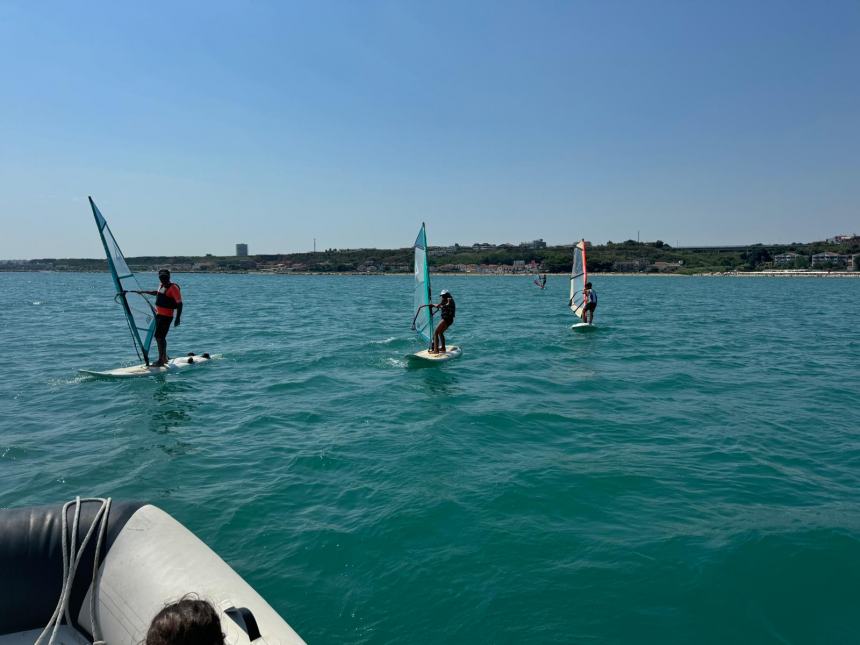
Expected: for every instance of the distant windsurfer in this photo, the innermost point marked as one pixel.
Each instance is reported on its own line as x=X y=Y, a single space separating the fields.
x=589 y=297
x=167 y=300
x=448 y=309
x=543 y=281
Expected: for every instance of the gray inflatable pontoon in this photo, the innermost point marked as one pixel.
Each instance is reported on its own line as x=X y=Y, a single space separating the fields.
x=146 y=559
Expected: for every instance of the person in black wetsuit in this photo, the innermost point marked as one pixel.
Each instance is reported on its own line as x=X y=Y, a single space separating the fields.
x=448 y=309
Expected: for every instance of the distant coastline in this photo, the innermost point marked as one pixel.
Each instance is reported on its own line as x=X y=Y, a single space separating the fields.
x=521 y=276
x=624 y=258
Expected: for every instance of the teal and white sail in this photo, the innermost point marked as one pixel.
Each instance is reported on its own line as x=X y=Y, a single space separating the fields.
x=138 y=309
x=421 y=297
x=578 y=278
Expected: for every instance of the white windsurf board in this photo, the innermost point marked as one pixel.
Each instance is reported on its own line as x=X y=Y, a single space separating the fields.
x=135 y=371
x=453 y=352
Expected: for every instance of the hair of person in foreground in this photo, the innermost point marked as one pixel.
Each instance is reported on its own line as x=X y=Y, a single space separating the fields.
x=188 y=621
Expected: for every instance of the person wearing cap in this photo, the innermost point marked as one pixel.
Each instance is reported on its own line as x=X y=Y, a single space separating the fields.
x=167 y=300
x=448 y=309
x=589 y=297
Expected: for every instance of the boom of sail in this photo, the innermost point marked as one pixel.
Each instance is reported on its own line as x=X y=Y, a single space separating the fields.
x=138 y=309
x=578 y=278
x=423 y=324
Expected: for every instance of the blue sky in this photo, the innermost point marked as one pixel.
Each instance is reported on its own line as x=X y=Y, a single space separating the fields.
x=196 y=125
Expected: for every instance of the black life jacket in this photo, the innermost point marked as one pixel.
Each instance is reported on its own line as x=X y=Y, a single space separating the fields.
x=163 y=300
x=448 y=308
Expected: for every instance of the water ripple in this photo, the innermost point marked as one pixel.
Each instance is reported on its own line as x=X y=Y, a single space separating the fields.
x=683 y=473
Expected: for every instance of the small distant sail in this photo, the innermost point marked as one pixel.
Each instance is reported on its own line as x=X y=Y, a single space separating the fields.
x=578 y=278
x=421 y=297
x=138 y=309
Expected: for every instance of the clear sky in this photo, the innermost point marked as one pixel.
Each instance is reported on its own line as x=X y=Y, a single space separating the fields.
x=196 y=125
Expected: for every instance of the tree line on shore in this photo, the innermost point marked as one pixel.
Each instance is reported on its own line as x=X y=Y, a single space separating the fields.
x=612 y=257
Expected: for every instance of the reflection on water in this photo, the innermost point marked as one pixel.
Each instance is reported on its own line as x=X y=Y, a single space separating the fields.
x=169 y=413
x=440 y=380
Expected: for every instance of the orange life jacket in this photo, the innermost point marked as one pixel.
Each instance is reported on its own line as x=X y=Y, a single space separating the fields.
x=167 y=300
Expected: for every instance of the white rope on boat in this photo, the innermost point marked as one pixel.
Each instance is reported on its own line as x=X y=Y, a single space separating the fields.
x=71 y=559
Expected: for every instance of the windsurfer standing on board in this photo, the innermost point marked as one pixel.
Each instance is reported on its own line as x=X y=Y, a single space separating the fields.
x=448 y=308
x=167 y=300
x=589 y=297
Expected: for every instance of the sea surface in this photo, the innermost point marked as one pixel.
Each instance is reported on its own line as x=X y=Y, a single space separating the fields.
x=687 y=472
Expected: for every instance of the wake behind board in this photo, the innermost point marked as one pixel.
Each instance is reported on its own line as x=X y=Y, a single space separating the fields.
x=425 y=355
x=135 y=371
x=584 y=326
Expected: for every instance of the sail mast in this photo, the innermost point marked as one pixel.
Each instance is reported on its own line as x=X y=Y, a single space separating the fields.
x=584 y=264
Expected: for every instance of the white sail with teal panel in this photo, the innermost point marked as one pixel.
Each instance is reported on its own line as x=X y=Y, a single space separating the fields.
x=421 y=296
x=137 y=308
x=578 y=278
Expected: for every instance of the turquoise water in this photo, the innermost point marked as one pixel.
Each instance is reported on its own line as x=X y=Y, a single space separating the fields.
x=687 y=472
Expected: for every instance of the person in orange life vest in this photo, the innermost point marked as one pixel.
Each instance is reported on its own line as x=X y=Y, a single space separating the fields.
x=167 y=300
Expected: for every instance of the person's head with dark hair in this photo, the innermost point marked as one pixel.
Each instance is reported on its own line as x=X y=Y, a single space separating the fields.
x=189 y=621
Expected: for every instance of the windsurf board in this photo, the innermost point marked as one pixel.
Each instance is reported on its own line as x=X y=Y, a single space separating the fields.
x=452 y=352
x=173 y=365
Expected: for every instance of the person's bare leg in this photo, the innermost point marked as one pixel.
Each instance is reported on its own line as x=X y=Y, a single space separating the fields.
x=434 y=348
x=439 y=336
